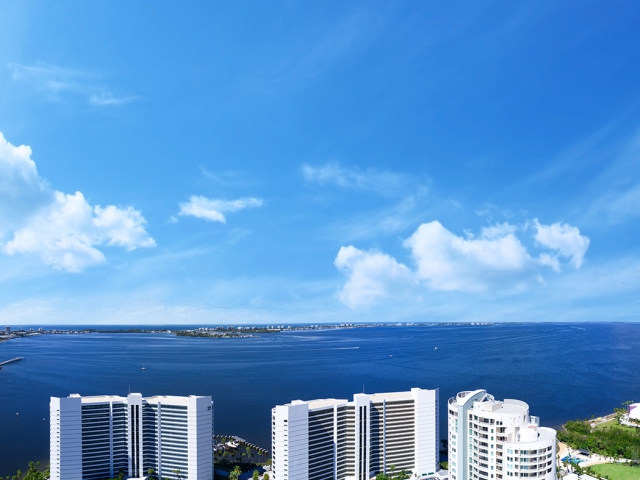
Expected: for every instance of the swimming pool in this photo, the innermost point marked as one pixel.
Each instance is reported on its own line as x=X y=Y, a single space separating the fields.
x=571 y=459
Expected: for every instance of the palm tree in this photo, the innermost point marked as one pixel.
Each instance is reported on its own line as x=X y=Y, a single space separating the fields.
x=235 y=473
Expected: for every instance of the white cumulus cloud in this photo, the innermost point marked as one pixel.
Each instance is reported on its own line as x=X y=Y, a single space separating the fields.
x=494 y=261
x=498 y=230
x=21 y=189
x=446 y=261
x=16 y=166
x=563 y=238
x=63 y=229
x=213 y=209
x=371 y=276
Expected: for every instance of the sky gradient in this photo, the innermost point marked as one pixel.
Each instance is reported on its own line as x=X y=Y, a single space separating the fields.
x=204 y=163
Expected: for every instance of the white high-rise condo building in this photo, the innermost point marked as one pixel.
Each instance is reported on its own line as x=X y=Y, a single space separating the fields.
x=493 y=439
x=93 y=438
x=343 y=440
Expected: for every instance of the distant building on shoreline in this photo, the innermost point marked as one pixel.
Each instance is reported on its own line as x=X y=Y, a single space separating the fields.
x=491 y=439
x=633 y=411
x=93 y=438
x=343 y=440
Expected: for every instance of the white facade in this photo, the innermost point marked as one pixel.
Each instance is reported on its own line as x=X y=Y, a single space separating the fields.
x=290 y=436
x=491 y=439
x=634 y=411
x=93 y=438
x=355 y=440
x=66 y=439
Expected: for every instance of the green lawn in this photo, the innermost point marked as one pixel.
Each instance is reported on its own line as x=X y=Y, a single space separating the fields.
x=609 y=423
x=612 y=424
x=615 y=471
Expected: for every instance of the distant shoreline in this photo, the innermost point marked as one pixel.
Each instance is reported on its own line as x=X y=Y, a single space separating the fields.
x=241 y=331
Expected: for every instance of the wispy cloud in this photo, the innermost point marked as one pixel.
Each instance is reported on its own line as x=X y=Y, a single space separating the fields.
x=408 y=193
x=614 y=195
x=213 y=209
x=384 y=183
x=606 y=166
x=107 y=98
x=54 y=81
x=319 y=51
x=401 y=216
x=229 y=178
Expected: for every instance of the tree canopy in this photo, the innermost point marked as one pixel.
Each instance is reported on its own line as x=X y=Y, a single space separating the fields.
x=615 y=442
x=32 y=473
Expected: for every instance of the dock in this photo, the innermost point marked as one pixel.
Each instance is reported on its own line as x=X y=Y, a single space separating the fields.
x=17 y=359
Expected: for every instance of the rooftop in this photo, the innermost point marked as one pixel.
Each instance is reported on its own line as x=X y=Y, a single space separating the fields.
x=326 y=402
x=391 y=396
x=168 y=399
x=505 y=407
x=171 y=399
x=99 y=398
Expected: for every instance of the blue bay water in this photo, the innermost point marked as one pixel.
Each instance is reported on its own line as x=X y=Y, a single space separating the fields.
x=563 y=371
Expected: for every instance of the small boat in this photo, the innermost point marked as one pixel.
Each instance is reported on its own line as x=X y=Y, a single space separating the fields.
x=144 y=368
x=436 y=348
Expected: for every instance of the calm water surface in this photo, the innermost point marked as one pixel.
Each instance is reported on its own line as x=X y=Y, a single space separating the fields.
x=562 y=371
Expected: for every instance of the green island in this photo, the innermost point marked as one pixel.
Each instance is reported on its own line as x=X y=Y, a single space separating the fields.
x=225 y=332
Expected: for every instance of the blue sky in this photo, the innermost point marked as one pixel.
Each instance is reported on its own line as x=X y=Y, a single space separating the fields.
x=340 y=162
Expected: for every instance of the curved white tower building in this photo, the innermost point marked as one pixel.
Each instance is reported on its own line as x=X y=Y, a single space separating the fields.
x=491 y=439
